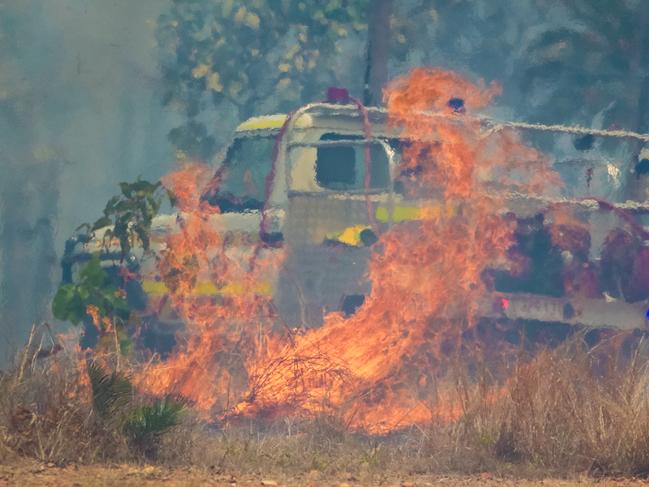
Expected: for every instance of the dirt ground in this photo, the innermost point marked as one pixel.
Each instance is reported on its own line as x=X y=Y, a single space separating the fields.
x=35 y=474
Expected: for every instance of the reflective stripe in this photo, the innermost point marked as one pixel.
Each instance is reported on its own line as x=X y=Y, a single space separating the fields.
x=352 y=235
x=207 y=288
x=412 y=213
x=399 y=214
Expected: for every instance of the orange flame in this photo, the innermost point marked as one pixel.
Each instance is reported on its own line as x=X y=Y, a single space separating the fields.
x=426 y=280
x=201 y=369
x=379 y=367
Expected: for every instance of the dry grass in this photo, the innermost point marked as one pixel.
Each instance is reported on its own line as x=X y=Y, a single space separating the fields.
x=566 y=411
x=46 y=414
x=580 y=409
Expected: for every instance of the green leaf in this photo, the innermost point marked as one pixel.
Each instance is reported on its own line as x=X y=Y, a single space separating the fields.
x=83 y=226
x=143 y=185
x=126 y=189
x=110 y=206
x=142 y=235
x=92 y=274
x=125 y=343
x=149 y=421
x=76 y=310
x=146 y=424
x=111 y=392
x=94 y=287
x=108 y=236
x=62 y=300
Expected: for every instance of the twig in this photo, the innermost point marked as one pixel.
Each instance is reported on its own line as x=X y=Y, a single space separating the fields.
x=117 y=347
x=25 y=356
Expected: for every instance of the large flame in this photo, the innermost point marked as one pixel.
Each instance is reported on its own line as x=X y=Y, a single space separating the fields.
x=426 y=279
x=377 y=368
x=222 y=331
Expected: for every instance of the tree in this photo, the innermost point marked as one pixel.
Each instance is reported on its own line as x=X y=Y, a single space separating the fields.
x=378 y=51
x=593 y=72
x=249 y=55
x=106 y=295
x=578 y=62
x=29 y=188
x=582 y=64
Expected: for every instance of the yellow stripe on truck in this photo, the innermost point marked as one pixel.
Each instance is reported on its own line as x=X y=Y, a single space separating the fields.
x=206 y=288
x=352 y=235
x=413 y=213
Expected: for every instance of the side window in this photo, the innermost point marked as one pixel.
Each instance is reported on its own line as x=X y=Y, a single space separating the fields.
x=336 y=167
x=401 y=179
x=243 y=177
x=342 y=167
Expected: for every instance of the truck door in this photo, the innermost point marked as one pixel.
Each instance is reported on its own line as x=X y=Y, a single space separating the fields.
x=331 y=225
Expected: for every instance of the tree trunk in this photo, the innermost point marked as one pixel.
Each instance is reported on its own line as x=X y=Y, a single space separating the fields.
x=378 y=51
x=28 y=213
x=637 y=185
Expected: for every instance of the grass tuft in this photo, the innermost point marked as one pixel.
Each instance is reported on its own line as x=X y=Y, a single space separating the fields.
x=146 y=424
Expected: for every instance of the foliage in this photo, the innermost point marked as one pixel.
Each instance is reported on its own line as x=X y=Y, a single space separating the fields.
x=45 y=412
x=111 y=392
x=592 y=72
x=590 y=65
x=559 y=62
x=245 y=53
x=130 y=214
x=146 y=424
x=113 y=398
x=127 y=217
x=93 y=288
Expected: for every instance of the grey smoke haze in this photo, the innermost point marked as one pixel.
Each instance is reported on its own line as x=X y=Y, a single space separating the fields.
x=79 y=112
x=80 y=109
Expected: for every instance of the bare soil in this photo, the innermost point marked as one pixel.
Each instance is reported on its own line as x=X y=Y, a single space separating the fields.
x=37 y=474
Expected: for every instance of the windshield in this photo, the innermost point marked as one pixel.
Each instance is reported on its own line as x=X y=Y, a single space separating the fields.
x=243 y=175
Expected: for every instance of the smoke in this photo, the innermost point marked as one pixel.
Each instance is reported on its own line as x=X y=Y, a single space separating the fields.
x=79 y=112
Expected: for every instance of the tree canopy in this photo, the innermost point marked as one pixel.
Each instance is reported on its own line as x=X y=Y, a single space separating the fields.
x=597 y=63
x=242 y=54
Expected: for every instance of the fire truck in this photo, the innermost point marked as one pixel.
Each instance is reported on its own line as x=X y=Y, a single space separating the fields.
x=301 y=184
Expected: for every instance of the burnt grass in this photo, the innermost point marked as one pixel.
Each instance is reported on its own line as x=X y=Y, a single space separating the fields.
x=575 y=406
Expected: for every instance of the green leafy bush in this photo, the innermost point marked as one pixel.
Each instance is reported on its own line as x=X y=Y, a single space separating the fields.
x=94 y=287
x=130 y=214
x=143 y=425
x=111 y=392
x=146 y=424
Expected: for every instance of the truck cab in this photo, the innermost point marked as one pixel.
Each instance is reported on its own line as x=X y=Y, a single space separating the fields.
x=312 y=183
